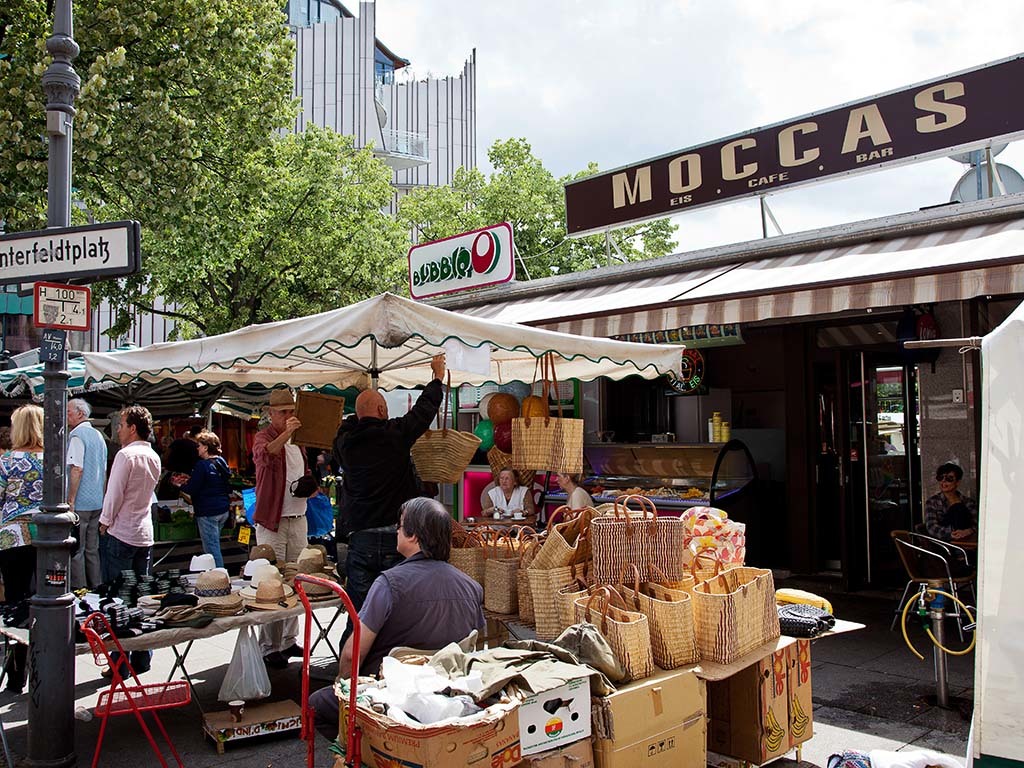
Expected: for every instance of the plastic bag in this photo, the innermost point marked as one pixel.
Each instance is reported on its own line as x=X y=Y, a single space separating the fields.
x=246 y=677
x=319 y=515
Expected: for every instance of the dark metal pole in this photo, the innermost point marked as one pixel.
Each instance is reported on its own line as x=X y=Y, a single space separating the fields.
x=51 y=715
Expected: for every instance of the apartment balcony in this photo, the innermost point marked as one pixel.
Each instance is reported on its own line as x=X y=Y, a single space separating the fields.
x=403 y=149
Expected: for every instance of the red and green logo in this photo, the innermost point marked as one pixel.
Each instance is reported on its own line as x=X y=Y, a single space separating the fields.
x=486 y=252
x=553 y=728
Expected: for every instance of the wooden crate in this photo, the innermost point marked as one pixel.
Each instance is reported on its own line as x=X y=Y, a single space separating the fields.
x=321 y=416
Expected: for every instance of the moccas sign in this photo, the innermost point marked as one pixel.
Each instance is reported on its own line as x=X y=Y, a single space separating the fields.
x=955 y=112
x=470 y=260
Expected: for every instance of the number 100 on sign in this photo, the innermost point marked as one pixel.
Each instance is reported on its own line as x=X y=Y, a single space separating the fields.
x=62 y=306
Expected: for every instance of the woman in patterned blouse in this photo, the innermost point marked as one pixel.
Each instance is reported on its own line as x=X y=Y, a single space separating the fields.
x=21 y=493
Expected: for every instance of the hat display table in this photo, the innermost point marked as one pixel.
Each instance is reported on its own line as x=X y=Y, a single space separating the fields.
x=257 y=720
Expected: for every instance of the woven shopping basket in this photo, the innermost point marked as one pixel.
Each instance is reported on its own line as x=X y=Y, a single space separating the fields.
x=670 y=614
x=734 y=613
x=500 y=567
x=549 y=443
x=636 y=537
x=685 y=584
x=467 y=554
x=566 y=596
x=627 y=632
x=498 y=460
x=442 y=455
x=562 y=542
x=529 y=546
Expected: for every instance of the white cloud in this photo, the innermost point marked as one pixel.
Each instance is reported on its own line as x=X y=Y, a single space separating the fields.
x=616 y=82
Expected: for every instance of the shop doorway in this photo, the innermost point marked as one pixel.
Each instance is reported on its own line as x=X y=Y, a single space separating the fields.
x=883 y=492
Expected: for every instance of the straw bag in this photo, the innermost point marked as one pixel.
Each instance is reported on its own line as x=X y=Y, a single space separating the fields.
x=442 y=455
x=734 y=613
x=562 y=540
x=685 y=584
x=627 y=632
x=670 y=614
x=498 y=460
x=553 y=444
x=530 y=545
x=500 y=568
x=467 y=554
x=641 y=537
x=566 y=596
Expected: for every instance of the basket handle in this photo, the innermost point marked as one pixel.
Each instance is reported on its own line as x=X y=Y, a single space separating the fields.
x=660 y=577
x=636 y=581
x=604 y=613
x=528 y=544
x=702 y=553
x=622 y=512
x=647 y=509
x=568 y=514
x=554 y=381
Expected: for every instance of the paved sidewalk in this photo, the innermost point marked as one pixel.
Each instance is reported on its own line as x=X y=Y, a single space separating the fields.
x=869 y=693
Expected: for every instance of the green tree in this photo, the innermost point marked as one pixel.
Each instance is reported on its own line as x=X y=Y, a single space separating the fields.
x=296 y=228
x=173 y=91
x=524 y=193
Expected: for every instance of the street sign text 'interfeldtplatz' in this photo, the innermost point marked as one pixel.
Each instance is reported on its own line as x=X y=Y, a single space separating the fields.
x=82 y=254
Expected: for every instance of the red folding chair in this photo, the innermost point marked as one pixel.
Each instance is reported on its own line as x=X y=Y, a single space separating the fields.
x=353 y=756
x=124 y=699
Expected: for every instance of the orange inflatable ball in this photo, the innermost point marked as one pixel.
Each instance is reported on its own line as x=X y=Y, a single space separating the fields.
x=534 y=406
x=502 y=408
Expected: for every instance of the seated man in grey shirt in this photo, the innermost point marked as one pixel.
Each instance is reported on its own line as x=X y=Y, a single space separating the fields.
x=423 y=602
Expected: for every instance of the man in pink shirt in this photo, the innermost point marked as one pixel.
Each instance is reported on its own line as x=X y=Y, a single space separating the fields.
x=126 y=523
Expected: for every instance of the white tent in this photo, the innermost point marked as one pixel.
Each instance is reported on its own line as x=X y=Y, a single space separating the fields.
x=999 y=661
x=387 y=339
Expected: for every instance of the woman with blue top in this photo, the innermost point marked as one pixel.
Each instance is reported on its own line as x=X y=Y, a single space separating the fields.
x=21 y=494
x=209 y=491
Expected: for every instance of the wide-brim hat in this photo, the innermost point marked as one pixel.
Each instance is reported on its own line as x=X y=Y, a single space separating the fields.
x=263 y=573
x=202 y=562
x=253 y=565
x=214 y=588
x=269 y=596
x=263 y=551
x=282 y=397
x=317 y=556
x=311 y=567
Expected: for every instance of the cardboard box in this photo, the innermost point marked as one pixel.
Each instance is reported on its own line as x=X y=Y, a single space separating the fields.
x=801 y=707
x=749 y=712
x=492 y=742
x=683 y=746
x=556 y=717
x=578 y=755
x=659 y=721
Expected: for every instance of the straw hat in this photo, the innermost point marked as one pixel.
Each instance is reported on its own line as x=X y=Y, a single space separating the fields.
x=270 y=595
x=202 y=563
x=253 y=565
x=263 y=551
x=214 y=590
x=311 y=553
x=282 y=398
x=311 y=567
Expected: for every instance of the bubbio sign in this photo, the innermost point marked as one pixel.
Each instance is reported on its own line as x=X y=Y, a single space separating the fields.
x=962 y=111
x=470 y=260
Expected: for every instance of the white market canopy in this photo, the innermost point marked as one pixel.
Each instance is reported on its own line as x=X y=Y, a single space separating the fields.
x=388 y=339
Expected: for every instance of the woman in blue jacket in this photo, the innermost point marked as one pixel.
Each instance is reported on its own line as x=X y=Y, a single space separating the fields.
x=208 y=488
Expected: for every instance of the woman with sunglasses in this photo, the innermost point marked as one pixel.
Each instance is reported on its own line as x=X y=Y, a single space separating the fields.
x=949 y=515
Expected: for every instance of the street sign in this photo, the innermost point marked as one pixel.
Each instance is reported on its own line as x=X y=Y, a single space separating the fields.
x=51 y=346
x=82 y=254
x=61 y=306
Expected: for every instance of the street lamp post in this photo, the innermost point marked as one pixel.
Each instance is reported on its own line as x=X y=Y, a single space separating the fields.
x=51 y=719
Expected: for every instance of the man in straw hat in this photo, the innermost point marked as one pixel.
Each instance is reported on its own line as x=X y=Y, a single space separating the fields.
x=373 y=452
x=423 y=602
x=280 y=517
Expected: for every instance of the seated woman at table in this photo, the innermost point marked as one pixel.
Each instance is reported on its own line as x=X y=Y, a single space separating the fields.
x=507 y=496
x=21 y=495
x=949 y=515
x=576 y=496
x=210 y=493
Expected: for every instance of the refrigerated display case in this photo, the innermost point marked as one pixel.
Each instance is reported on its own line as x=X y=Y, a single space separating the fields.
x=675 y=476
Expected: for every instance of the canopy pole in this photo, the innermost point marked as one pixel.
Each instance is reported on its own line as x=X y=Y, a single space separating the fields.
x=967 y=342
x=374 y=372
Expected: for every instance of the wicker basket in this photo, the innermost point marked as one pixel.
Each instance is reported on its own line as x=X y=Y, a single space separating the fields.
x=442 y=455
x=567 y=595
x=501 y=587
x=627 y=632
x=636 y=537
x=552 y=444
x=467 y=554
x=734 y=613
x=498 y=460
x=566 y=542
x=544 y=587
x=670 y=614
x=527 y=552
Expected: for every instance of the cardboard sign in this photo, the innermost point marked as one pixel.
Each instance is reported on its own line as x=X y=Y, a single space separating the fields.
x=321 y=416
x=555 y=718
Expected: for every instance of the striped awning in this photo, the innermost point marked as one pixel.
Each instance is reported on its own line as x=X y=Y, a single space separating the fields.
x=947 y=265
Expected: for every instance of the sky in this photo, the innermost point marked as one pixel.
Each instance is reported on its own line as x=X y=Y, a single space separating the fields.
x=617 y=82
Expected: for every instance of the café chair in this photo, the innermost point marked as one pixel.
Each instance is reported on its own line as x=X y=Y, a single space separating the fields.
x=936 y=564
x=127 y=695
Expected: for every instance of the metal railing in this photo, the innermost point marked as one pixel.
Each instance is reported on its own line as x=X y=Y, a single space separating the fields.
x=405 y=143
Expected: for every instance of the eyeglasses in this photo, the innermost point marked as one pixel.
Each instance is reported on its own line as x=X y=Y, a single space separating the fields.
x=948 y=478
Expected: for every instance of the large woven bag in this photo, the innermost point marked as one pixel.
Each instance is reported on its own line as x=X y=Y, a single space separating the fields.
x=467 y=554
x=501 y=588
x=544 y=587
x=562 y=542
x=442 y=455
x=627 y=632
x=685 y=584
x=529 y=546
x=498 y=460
x=670 y=614
x=636 y=537
x=549 y=443
x=566 y=596
x=734 y=613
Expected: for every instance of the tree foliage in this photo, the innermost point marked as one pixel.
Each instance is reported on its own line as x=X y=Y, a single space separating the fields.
x=524 y=193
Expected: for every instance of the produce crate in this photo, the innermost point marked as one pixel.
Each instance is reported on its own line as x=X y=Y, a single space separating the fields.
x=177 y=531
